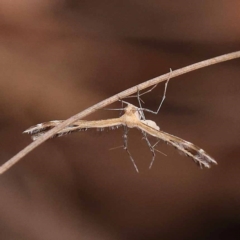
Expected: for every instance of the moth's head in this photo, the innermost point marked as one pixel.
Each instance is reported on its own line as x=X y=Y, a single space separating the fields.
x=130 y=108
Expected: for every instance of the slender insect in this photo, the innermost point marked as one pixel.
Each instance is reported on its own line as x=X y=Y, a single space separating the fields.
x=133 y=117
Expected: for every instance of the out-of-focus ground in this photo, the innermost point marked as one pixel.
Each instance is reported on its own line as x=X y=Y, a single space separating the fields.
x=60 y=57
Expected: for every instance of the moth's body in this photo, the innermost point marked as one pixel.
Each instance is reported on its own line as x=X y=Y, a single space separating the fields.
x=131 y=119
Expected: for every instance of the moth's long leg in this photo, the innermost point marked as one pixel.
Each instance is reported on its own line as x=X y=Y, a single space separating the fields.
x=140 y=106
x=163 y=98
x=125 y=146
x=120 y=114
x=153 y=146
x=150 y=147
x=144 y=133
x=139 y=95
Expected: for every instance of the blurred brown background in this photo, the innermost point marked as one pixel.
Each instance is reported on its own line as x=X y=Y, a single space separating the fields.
x=59 y=57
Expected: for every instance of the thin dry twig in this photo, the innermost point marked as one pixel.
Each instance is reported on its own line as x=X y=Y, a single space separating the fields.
x=112 y=99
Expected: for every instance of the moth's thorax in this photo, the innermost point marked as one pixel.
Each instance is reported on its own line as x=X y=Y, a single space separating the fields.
x=131 y=116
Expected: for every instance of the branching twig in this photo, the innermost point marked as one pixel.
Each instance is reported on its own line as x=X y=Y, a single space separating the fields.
x=112 y=99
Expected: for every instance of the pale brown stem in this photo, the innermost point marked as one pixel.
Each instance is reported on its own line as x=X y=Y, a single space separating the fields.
x=112 y=99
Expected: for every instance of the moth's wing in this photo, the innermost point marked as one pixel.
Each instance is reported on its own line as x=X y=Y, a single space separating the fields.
x=42 y=127
x=199 y=156
x=80 y=125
